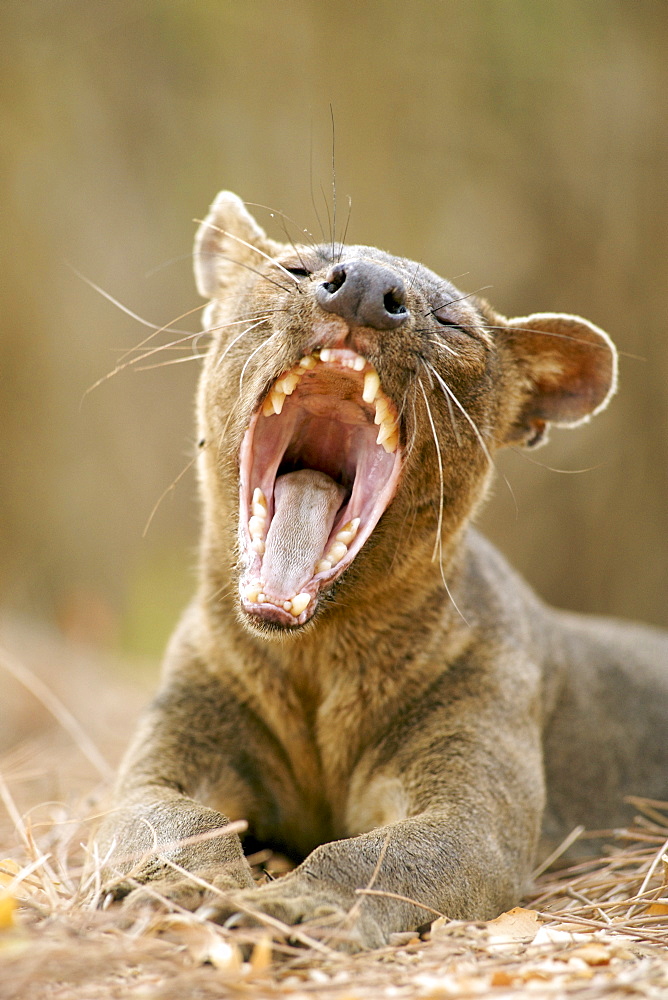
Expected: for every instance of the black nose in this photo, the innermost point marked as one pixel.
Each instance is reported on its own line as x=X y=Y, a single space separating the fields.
x=364 y=293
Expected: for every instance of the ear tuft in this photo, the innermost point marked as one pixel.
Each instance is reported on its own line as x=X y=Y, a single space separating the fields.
x=569 y=368
x=229 y=238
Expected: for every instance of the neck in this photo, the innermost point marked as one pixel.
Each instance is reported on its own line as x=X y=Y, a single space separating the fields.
x=381 y=617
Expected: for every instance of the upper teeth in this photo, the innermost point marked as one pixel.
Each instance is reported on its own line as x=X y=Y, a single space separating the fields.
x=388 y=433
x=382 y=409
x=371 y=386
x=385 y=431
x=288 y=383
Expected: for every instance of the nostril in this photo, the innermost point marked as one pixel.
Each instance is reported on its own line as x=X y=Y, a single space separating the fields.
x=336 y=276
x=393 y=302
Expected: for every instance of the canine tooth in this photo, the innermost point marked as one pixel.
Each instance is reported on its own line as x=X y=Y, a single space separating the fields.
x=252 y=592
x=277 y=400
x=390 y=444
x=359 y=363
x=289 y=383
x=267 y=406
x=299 y=603
x=307 y=362
x=257 y=545
x=323 y=566
x=257 y=524
x=259 y=502
x=348 y=531
x=386 y=429
x=371 y=386
x=382 y=409
x=326 y=354
x=336 y=552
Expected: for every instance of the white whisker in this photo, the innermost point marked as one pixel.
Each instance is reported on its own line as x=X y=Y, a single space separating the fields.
x=167 y=328
x=238 y=338
x=169 y=489
x=444 y=347
x=410 y=444
x=250 y=246
x=438 y=544
x=135 y=361
x=252 y=355
x=453 y=422
x=285 y=218
x=449 y=394
x=173 y=361
x=128 y=312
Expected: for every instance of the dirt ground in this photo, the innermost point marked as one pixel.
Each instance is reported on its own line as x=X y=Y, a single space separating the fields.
x=595 y=929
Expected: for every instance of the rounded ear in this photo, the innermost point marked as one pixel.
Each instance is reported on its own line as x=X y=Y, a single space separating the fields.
x=228 y=240
x=569 y=368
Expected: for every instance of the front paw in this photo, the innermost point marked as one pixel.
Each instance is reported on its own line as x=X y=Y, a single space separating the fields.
x=165 y=890
x=322 y=912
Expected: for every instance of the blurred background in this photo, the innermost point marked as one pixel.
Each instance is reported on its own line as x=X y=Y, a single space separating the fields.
x=514 y=145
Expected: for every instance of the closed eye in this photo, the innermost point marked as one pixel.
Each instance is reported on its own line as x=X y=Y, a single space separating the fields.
x=444 y=320
x=299 y=272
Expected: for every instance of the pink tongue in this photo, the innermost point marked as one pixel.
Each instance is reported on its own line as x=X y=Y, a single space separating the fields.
x=305 y=506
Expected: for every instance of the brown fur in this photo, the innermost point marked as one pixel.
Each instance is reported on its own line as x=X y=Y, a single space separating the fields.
x=399 y=736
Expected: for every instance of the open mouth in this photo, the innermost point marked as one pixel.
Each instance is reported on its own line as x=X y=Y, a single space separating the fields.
x=319 y=464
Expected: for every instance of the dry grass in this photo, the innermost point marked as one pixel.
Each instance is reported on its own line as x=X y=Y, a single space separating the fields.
x=599 y=929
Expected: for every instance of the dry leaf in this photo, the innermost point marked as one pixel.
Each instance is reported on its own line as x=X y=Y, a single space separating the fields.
x=593 y=953
x=543 y=973
x=517 y=924
x=7 y=907
x=502 y=978
x=658 y=909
